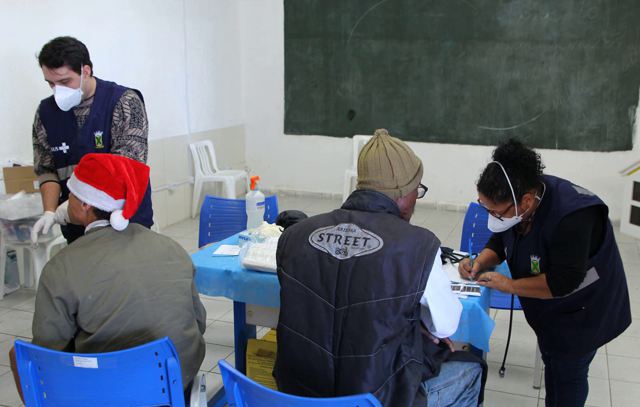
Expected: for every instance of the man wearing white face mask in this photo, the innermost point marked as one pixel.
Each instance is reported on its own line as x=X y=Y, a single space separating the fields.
x=559 y=244
x=84 y=115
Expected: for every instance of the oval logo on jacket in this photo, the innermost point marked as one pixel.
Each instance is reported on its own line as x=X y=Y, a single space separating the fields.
x=345 y=240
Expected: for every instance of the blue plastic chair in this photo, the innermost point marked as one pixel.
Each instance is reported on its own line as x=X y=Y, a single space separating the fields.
x=142 y=376
x=223 y=217
x=243 y=392
x=474 y=229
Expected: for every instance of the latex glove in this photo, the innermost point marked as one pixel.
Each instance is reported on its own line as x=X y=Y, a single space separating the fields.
x=43 y=224
x=48 y=219
x=62 y=213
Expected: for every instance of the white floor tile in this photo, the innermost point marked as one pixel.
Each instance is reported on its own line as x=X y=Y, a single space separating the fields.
x=624 y=346
x=624 y=369
x=214 y=383
x=17 y=298
x=517 y=380
x=599 y=393
x=16 y=322
x=219 y=333
x=624 y=394
x=599 y=367
x=499 y=399
x=521 y=353
x=8 y=393
x=213 y=355
x=215 y=308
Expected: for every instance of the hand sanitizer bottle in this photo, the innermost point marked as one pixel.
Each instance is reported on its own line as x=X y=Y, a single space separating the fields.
x=255 y=205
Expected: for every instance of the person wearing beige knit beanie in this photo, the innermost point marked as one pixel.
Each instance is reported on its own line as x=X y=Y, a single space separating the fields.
x=387 y=165
x=365 y=305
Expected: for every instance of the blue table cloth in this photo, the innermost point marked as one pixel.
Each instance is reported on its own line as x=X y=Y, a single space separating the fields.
x=224 y=276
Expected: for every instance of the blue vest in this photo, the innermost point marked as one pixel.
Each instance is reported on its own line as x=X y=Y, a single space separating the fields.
x=69 y=144
x=599 y=309
x=349 y=307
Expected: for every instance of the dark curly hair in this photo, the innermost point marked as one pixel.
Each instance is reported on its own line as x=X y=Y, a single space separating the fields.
x=62 y=51
x=522 y=164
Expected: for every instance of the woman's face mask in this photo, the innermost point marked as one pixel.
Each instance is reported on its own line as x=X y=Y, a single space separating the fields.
x=497 y=225
x=500 y=224
x=67 y=98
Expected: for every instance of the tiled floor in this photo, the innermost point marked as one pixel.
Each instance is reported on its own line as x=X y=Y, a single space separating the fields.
x=614 y=377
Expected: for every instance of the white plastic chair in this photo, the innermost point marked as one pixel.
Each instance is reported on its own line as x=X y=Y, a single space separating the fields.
x=206 y=170
x=351 y=174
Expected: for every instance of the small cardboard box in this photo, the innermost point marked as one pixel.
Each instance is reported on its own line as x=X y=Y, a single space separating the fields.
x=18 y=179
x=261 y=357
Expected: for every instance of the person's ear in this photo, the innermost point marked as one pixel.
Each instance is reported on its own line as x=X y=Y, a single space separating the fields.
x=86 y=208
x=86 y=71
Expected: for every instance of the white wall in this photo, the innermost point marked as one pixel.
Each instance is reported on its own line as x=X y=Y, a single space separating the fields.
x=317 y=164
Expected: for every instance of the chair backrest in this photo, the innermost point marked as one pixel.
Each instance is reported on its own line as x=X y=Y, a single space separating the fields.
x=475 y=228
x=358 y=143
x=223 y=217
x=147 y=375
x=242 y=391
x=204 y=157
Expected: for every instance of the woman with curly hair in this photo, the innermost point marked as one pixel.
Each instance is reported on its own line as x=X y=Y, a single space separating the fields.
x=566 y=268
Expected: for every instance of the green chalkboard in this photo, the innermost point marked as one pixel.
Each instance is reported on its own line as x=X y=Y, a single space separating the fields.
x=561 y=74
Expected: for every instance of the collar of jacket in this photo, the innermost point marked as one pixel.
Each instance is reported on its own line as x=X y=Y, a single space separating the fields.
x=369 y=200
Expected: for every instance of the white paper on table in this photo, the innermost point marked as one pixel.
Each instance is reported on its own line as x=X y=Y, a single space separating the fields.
x=452 y=272
x=227 y=250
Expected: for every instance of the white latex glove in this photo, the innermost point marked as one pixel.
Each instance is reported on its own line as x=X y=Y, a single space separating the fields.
x=62 y=214
x=43 y=224
x=48 y=219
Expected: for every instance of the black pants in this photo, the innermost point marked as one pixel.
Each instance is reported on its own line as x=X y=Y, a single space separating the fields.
x=565 y=379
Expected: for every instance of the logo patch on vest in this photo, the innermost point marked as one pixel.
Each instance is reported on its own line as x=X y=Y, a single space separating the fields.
x=345 y=240
x=64 y=147
x=535 y=265
x=98 y=137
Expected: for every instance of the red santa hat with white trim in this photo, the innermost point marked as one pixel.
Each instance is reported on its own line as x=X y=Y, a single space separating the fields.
x=111 y=183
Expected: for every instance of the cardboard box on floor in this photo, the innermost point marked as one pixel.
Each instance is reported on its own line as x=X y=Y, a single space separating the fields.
x=18 y=179
x=261 y=357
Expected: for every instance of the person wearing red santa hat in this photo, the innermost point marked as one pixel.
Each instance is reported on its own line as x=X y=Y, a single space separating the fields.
x=119 y=285
x=113 y=184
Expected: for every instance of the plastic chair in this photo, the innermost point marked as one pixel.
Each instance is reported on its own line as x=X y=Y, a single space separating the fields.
x=39 y=255
x=242 y=391
x=147 y=375
x=221 y=217
x=206 y=170
x=351 y=174
x=474 y=228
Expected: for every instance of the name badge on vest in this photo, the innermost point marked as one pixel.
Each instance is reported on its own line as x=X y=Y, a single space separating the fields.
x=345 y=240
x=97 y=135
x=535 y=264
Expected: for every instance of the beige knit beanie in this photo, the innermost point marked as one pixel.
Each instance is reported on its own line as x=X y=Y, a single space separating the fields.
x=386 y=164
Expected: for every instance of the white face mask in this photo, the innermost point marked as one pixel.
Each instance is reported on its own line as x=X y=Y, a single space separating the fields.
x=500 y=225
x=67 y=98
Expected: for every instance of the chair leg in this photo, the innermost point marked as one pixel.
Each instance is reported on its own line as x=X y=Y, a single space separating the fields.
x=231 y=188
x=24 y=272
x=197 y=190
x=537 y=370
x=38 y=260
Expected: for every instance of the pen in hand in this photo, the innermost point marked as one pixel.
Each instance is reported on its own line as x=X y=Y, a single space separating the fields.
x=470 y=259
